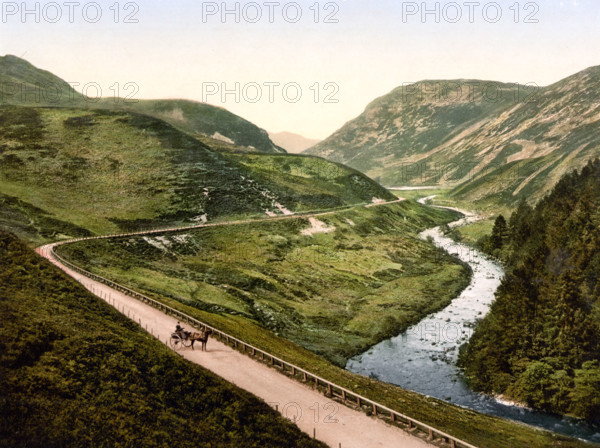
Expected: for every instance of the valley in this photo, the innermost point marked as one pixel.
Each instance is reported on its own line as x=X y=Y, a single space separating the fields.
x=317 y=290
x=309 y=257
x=491 y=150
x=489 y=430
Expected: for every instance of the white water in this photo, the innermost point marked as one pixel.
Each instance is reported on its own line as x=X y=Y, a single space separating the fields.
x=423 y=358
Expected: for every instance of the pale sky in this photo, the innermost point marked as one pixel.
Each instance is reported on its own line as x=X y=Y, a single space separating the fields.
x=187 y=49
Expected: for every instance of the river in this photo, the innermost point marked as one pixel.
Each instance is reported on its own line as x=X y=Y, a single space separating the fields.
x=423 y=358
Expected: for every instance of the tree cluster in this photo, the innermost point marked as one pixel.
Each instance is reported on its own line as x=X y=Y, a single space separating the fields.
x=540 y=343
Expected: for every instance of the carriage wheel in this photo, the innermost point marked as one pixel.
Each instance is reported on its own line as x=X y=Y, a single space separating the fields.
x=186 y=342
x=175 y=342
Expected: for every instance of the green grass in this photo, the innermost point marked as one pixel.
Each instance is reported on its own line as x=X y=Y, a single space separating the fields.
x=417 y=194
x=33 y=224
x=478 y=429
x=75 y=372
x=471 y=233
x=108 y=172
x=313 y=182
x=204 y=121
x=336 y=294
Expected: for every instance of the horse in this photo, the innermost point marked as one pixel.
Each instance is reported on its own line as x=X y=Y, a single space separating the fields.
x=202 y=337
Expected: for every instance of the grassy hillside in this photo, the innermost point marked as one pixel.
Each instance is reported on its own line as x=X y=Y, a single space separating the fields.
x=535 y=144
x=392 y=140
x=334 y=293
x=24 y=84
x=202 y=119
x=310 y=183
x=75 y=372
x=106 y=172
x=540 y=344
x=495 y=152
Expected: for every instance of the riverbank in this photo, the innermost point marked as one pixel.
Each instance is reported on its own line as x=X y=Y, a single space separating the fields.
x=476 y=428
x=423 y=358
x=334 y=292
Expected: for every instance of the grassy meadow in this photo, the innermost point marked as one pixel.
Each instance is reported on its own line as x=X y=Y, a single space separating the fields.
x=334 y=293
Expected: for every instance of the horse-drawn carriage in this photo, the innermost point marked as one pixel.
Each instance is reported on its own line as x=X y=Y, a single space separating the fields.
x=181 y=338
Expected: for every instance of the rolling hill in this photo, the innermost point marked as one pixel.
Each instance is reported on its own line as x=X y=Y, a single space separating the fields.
x=495 y=142
x=73 y=167
x=203 y=120
x=24 y=84
x=74 y=171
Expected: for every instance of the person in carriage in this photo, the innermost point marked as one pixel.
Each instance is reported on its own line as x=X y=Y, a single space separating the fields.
x=183 y=334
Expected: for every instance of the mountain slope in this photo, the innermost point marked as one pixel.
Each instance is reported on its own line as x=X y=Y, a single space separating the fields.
x=291 y=142
x=24 y=84
x=105 y=171
x=405 y=127
x=531 y=146
x=499 y=152
x=210 y=121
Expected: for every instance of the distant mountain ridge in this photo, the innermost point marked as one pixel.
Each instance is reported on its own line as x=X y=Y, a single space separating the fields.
x=408 y=123
x=291 y=142
x=495 y=142
x=26 y=85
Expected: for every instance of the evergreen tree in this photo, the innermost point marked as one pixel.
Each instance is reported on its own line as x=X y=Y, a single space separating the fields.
x=540 y=343
x=499 y=233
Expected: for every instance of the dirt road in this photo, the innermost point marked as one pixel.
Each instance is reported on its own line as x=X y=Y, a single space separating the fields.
x=336 y=425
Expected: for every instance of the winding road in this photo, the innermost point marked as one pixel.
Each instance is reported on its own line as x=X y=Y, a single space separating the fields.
x=334 y=424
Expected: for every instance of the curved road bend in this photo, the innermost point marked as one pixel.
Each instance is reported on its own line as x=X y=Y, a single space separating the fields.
x=332 y=423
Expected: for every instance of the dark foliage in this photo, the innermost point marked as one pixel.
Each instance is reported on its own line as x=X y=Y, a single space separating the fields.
x=541 y=341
